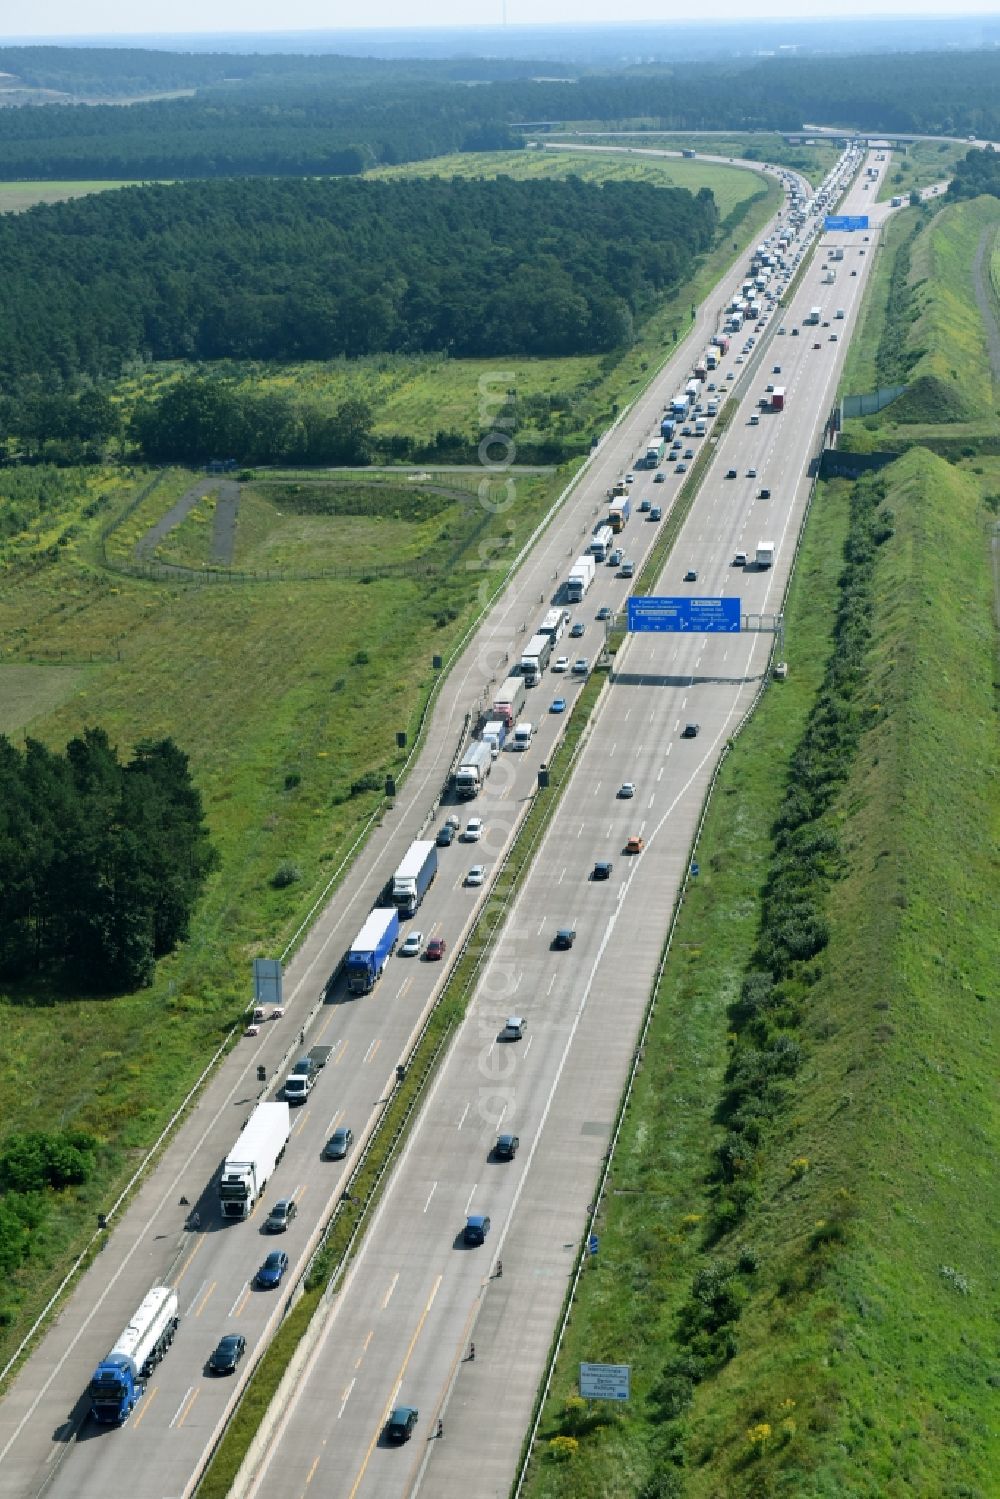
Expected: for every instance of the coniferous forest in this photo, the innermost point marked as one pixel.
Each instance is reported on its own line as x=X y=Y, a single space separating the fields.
x=101 y=863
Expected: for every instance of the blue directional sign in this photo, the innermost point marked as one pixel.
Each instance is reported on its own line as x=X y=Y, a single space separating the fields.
x=670 y=616
x=845 y=221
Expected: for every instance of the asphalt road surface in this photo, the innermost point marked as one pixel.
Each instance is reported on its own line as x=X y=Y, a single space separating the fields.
x=415 y=1299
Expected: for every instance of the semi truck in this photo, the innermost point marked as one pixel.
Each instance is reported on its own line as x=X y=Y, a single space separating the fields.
x=764 y=556
x=667 y=428
x=581 y=575
x=414 y=876
x=814 y=316
x=619 y=513
x=477 y=762
x=371 y=950
x=117 y=1382
x=654 y=456
x=522 y=736
x=777 y=398
x=679 y=407
x=535 y=658
x=251 y=1162
x=600 y=544
x=510 y=697
x=721 y=342
x=829 y=276
x=495 y=735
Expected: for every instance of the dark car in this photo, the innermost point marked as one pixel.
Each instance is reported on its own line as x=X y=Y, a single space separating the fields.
x=477 y=1226
x=764 y=494
x=338 y=1144
x=506 y=1147
x=445 y=837
x=281 y=1216
x=730 y=473
x=564 y=938
x=435 y=950
x=304 y=1067
x=577 y=630
x=690 y=576
x=602 y=870
x=399 y=1427
x=272 y=1270
x=660 y=479
x=228 y=1353
x=691 y=731
x=604 y=612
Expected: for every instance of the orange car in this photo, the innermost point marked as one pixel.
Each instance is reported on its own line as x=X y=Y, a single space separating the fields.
x=635 y=845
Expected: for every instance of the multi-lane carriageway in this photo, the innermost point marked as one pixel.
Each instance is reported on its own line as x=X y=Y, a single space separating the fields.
x=413 y=1301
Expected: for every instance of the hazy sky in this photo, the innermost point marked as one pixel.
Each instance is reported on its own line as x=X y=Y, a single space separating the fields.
x=97 y=17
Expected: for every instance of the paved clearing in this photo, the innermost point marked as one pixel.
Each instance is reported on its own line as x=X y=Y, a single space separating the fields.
x=224 y=530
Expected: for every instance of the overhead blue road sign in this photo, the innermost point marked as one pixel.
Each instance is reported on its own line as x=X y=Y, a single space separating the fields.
x=845 y=221
x=684 y=615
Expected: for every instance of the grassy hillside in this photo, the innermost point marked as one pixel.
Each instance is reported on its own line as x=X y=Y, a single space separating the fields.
x=834 y=1335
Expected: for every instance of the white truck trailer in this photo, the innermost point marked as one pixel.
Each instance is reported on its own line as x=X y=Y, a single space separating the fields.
x=251 y=1162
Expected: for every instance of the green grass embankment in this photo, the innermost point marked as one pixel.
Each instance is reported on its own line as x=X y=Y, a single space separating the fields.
x=833 y=1336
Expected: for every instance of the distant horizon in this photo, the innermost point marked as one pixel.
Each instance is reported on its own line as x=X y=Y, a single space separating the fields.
x=189 y=19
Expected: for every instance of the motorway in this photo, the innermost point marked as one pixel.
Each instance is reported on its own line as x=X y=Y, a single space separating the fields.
x=414 y=1300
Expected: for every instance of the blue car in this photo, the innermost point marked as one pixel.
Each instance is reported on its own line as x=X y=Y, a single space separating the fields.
x=558 y=705
x=271 y=1271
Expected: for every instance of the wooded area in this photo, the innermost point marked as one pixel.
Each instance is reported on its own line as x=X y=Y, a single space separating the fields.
x=327 y=115
x=100 y=863
x=285 y=270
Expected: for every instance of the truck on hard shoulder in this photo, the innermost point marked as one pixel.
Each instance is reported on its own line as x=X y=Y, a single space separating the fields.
x=510 y=697
x=251 y=1162
x=619 y=513
x=414 y=876
x=495 y=735
x=371 y=950
x=764 y=556
x=535 y=658
x=117 y=1382
x=581 y=575
x=470 y=777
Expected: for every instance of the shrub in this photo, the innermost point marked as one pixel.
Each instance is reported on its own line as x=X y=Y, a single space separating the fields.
x=285 y=875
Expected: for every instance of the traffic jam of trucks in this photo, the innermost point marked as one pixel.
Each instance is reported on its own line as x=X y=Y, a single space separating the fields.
x=118 y=1381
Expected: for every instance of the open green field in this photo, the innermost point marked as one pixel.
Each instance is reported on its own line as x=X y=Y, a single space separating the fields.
x=15 y=197
x=812 y=161
x=922 y=165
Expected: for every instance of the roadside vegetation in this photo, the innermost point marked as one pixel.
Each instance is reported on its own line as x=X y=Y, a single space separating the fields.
x=766 y=146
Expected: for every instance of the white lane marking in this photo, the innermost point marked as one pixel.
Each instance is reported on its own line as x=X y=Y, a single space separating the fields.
x=430 y=1195
x=465 y=1112
x=347 y=1396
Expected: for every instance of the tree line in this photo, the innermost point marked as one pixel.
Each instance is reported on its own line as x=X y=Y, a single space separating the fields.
x=290 y=270
x=977 y=173
x=101 y=862
x=279 y=119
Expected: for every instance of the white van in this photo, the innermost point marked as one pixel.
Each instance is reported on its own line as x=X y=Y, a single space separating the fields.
x=522 y=736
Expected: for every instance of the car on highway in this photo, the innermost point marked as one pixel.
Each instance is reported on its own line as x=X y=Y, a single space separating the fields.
x=476 y=875
x=630 y=478
x=730 y=473
x=272 y=1271
x=782 y=328
x=506 y=1147
x=477 y=1226
x=581 y=666
x=645 y=504
x=656 y=513
x=833 y=338
x=615 y=559
x=660 y=478
x=577 y=630
x=281 y=1215
x=627 y=569
x=602 y=870
x=689 y=453
x=445 y=836
x=815 y=346
x=731 y=375
x=740 y=560
x=635 y=844
x=561 y=663
x=751 y=473
x=402 y=1420
x=676 y=444
x=763 y=494
x=680 y=468
x=604 y=612
x=412 y=945
x=473 y=830
x=691 y=731
x=710 y=385
x=564 y=938
x=691 y=576
x=435 y=950
x=227 y=1353
x=557 y=705
x=513 y=1028
x=339 y=1143
x=795 y=332
x=739 y=359
x=626 y=790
